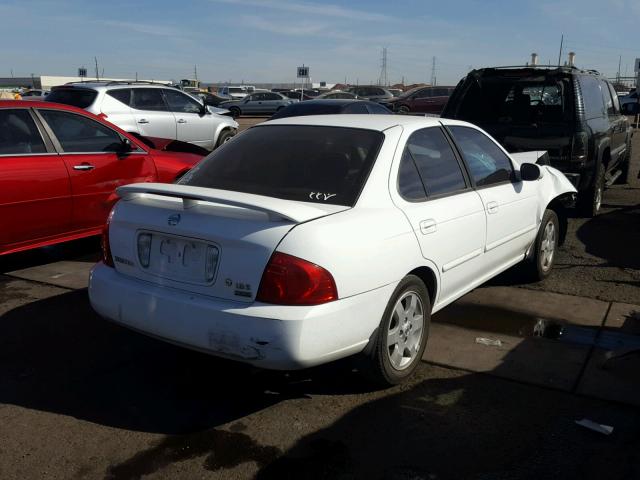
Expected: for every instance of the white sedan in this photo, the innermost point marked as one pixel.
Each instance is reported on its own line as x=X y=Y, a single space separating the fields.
x=310 y=239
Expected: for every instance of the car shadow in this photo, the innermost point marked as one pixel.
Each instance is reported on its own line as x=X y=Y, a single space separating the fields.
x=614 y=237
x=86 y=249
x=58 y=355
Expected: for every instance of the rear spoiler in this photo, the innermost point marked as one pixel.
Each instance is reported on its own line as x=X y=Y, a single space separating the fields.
x=276 y=209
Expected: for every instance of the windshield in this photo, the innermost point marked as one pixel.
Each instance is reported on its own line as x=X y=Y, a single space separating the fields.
x=77 y=97
x=294 y=162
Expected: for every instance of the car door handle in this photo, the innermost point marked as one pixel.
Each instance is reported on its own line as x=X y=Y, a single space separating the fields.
x=143 y=120
x=84 y=167
x=428 y=226
x=182 y=120
x=492 y=207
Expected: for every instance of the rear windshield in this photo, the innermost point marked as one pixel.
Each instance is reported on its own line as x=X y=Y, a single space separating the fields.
x=521 y=100
x=301 y=109
x=294 y=162
x=77 y=97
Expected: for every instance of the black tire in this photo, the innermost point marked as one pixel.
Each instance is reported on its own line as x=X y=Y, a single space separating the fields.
x=224 y=137
x=540 y=263
x=379 y=365
x=235 y=112
x=403 y=109
x=625 y=166
x=590 y=200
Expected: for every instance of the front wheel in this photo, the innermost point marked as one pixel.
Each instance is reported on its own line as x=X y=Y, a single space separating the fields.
x=402 y=335
x=235 y=112
x=403 y=109
x=540 y=264
x=224 y=137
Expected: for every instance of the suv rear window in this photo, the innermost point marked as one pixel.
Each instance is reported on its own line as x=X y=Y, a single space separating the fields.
x=77 y=97
x=293 y=162
x=511 y=99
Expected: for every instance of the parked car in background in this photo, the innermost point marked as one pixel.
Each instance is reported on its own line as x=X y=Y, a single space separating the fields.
x=571 y=113
x=295 y=95
x=236 y=92
x=337 y=94
x=631 y=97
x=213 y=99
x=60 y=168
x=420 y=100
x=373 y=92
x=313 y=239
x=150 y=110
x=260 y=103
x=396 y=92
x=331 y=107
x=34 y=94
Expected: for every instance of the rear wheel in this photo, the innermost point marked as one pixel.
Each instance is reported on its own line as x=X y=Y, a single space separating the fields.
x=235 y=112
x=540 y=264
x=626 y=166
x=590 y=201
x=402 y=335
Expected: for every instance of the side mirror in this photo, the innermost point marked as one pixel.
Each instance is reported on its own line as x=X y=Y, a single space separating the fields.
x=529 y=172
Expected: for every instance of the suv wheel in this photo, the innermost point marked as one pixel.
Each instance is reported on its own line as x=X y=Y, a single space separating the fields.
x=590 y=201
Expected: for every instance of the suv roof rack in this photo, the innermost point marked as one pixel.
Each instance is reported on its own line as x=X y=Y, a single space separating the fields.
x=119 y=82
x=547 y=67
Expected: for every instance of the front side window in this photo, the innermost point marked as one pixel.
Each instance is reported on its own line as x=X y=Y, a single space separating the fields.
x=424 y=93
x=487 y=163
x=19 y=134
x=295 y=162
x=179 y=102
x=148 y=99
x=79 y=134
x=272 y=96
x=434 y=161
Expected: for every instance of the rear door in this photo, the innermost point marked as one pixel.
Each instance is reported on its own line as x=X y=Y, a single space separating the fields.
x=271 y=102
x=193 y=125
x=87 y=149
x=152 y=114
x=35 y=192
x=446 y=215
x=510 y=204
x=617 y=121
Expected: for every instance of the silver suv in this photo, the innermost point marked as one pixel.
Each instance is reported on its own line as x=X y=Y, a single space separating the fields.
x=150 y=110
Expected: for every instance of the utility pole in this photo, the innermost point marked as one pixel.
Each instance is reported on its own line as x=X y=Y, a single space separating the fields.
x=433 y=71
x=136 y=76
x=560 y=53
x=97 y=71
x=195 y=72
x=619 y=65
x=383 y=80
x=12 y=73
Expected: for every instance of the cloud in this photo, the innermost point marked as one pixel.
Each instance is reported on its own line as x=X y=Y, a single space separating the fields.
x=309 y=8
x=147 y=29
x=284 y=28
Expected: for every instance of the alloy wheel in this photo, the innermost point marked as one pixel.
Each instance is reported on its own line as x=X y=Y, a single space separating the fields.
x=406 y=326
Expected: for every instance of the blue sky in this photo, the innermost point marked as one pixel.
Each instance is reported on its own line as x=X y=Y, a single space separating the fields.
x=264 y=40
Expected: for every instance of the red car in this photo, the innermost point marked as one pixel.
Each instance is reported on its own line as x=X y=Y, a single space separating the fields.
x=60 y=168
x=420 y=100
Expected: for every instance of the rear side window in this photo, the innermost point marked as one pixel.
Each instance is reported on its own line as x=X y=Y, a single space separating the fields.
x=77 y=97
x=591 y=96
x=123 y=95
x=295 y=162
x=79 y=134
x=487 y=163
x=436 y=164
x=148 y=99
x=19 y=134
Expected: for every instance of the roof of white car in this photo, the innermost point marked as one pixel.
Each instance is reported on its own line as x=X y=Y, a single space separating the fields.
x=369 y=122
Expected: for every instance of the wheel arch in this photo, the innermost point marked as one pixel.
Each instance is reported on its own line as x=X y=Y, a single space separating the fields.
x=430 y=280
x=560 y=205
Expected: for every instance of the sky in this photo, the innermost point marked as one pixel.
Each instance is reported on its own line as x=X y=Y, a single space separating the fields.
x=265 y=40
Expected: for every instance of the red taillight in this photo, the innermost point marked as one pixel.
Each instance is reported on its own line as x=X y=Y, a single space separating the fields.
x=103 y=116
x=289 y=280
x=107 y=259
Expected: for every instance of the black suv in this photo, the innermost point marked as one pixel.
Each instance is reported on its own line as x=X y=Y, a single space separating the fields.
x=573 y=114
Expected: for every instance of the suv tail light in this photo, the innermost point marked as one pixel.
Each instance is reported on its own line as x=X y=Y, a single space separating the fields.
x=107 y=258
x=580 y=147
x=289 y=280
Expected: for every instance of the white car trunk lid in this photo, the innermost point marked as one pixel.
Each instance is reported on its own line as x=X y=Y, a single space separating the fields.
x=206 y=241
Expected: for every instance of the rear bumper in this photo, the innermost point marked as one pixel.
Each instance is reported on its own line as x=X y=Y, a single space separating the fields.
x=267 y=336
